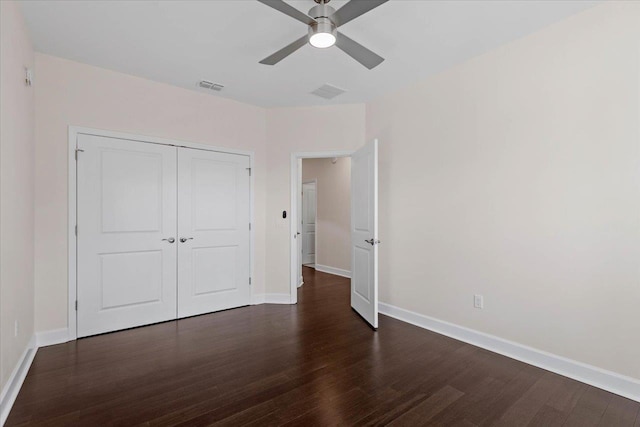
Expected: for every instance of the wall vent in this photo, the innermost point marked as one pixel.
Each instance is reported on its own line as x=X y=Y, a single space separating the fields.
x=327 y=91
x=210 y=85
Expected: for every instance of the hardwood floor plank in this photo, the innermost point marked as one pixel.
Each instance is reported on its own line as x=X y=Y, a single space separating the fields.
x=314 y=363
x=590 y=408
x=391 y=408
x=548 y=416
x=429 y=407
x=523 y=410
x=566 y=397
x=620 y=412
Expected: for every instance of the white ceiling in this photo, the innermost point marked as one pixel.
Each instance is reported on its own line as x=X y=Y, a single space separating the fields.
x=183 y=42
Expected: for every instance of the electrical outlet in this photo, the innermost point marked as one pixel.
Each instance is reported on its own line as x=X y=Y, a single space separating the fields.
x=478 y=301
x=16 y=328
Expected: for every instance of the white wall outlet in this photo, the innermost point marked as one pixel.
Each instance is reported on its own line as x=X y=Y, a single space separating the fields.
x=478 y=301
x=16 y=328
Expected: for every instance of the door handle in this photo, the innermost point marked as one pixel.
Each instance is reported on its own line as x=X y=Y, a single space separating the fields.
x=372 y=241
x=184 y=239
x=170 y=240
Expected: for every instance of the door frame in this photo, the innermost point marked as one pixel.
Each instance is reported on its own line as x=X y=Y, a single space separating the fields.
x=296 y=180
x=73 y=133
x=315 y=250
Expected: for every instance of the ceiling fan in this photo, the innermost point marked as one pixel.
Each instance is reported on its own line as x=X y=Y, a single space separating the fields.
x=323 y=21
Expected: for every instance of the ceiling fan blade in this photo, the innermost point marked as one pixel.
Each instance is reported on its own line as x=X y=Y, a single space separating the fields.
x=353 y=9
x=289 y=10
x=358 y=52
x=285 y=51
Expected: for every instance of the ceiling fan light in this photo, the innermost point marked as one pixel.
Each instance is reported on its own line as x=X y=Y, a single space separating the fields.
x=322 y=40
x=322 y=34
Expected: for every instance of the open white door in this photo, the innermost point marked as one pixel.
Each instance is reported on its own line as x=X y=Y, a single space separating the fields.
x=364 y=232
x=309 y=208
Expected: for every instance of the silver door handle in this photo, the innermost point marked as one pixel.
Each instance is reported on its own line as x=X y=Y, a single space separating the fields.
x=372 y=241
x=184 y=239
x=170 y=240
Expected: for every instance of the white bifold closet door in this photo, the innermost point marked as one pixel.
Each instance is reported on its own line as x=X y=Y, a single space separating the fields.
x=213 y=228
x=163 y=233
x=126 y=206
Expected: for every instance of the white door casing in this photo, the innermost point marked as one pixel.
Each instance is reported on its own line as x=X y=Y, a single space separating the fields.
x=309 y=212
x=298 y=225
x=295 y=249
x=214 y=236
x=364 y=232
x=126 y=206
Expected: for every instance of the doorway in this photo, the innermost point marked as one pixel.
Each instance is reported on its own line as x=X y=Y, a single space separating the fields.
x=363 y=239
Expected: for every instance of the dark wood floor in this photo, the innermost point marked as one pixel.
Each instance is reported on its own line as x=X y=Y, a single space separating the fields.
x=315 y=363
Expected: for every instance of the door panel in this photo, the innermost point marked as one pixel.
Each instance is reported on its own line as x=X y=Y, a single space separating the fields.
x=364 y=232
x=214 y=194
x=214 y=269
x=361 y=277
x=309 y=209
x=213 y=220
x=131 y=191
x=119 y=271
x=126 y=206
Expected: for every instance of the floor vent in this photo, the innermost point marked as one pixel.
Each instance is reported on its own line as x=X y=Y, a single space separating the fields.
x=210 y=85
x=328 y=92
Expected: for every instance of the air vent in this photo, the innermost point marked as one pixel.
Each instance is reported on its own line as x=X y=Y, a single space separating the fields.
x=210 y=85
x=327 y=91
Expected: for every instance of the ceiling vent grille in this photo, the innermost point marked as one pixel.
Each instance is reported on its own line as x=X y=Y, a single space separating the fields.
x=210 y=85
x=327 y=91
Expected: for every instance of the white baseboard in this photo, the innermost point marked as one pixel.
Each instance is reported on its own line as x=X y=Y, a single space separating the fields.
x=257 y=299
x=277 y=299
x=14 y=383
x=610 y=381
x=300 y=281
x=270 y=299
x=333 y=270
x=55 y=336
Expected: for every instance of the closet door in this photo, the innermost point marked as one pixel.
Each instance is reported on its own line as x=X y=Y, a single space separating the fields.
x=213 y=231
x=126 y=234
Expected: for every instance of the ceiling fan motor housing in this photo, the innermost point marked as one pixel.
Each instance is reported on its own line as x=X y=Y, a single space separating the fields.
x=323 y=24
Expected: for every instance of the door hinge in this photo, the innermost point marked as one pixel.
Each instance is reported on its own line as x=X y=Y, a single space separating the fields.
x=78 y=150
x=76 y=229
x=249 y=226
x=249 y=280
x=249 y=169
x=76 y=305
